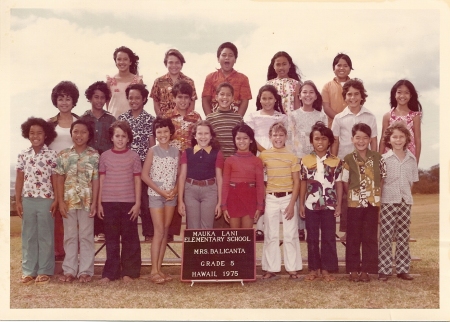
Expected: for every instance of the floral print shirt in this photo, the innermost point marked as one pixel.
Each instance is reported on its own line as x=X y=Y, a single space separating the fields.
x=38 y=169
x=181 y=139
x=79 y=170
x=141 y=127
x=321 y=175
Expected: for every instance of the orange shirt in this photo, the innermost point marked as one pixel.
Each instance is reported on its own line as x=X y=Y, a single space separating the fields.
x=332 y=93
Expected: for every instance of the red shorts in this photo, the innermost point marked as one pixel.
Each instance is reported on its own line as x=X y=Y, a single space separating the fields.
x=242 y=199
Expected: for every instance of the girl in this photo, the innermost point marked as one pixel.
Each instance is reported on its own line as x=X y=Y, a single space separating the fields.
x=396 y=201
x=282 y=73
x=300 y=123
x=127 y=65
x=119 y=204
x=163 y=98
x=64 y=97
x=405 y=107
x=200 y=181
x=159 y=172
x=35 y=201
x=243 y=181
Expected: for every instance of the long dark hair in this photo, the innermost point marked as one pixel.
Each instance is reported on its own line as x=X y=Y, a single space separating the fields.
x=278 y=103
x=271 y=74
x=134 y=59
x=244 y=128
x=413 y=104
x=317 y=104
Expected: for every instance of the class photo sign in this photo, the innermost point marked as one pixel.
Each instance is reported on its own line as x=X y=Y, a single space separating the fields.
x=218 y=255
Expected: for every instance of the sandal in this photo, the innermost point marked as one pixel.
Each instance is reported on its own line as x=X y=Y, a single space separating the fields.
x=328 y=278
x=157 y=279
x=167 y=277
x=42 y=279
x=26 y=280
x=311 y=277
x=269 y=276
x=294 y=277
x=84 y=278
x=68 y=278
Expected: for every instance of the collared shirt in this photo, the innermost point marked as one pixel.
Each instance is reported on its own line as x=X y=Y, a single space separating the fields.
x=101 y=140
x=280 y=164
x=240 y=85
x=364 y=178
x=321 y=175
x=38 y=169
x=332 y=93
x=199 y=148
x=161 y=91
x=400 y=176
x=79 y=171
x=286 y=89
x=223 y=123
x=181 y=139
x=342 y=128
x=141 y=127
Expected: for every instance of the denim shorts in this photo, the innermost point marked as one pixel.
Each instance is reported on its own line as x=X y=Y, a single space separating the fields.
x=160 y=202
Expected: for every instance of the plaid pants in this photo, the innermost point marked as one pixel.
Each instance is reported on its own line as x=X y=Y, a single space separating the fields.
x=395 y=221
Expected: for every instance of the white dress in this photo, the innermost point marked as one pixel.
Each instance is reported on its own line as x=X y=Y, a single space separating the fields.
x=261 y=123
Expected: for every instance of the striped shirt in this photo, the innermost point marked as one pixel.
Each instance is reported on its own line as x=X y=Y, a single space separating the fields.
x=119 y=169
x=342 y=128
x=280 y=164
x=400 y=177
x=222 y=123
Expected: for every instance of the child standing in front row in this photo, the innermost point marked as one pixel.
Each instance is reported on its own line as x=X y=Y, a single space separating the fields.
x=243 y=181
x=396 y=201
x=35 y=201
x=119 y=202
x=283 y=183
x=77 y=190
x=160 y=171
x=364 y=171
x=320 y=202
x=200 y=181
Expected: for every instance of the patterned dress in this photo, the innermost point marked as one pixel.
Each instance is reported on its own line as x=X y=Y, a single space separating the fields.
x=286 y=89
x=119 y=103
x=408 y=121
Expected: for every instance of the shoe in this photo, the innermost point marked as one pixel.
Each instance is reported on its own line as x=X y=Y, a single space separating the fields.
x=259 y=235
x=382 y=277
x=68 y=278
x=405 y=276
x=311 y=277
x=364 y=277
x=27 y=280
x=269 y=276
x=99 y=238
x=84 y=278
x=148 y=238
x=354 y=277
x=328 y=278
x=42 y=279
x=295 y=277
x=157 y=279
x=301 y=234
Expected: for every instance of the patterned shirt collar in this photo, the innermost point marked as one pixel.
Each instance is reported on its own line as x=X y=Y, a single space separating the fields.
x=198 y=148
x=31 y=150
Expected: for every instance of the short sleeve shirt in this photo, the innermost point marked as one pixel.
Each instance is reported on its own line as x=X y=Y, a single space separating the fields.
x=141 y=127
x=38 y=169
x=181 y=139
x=79 y=171
x=332 y=93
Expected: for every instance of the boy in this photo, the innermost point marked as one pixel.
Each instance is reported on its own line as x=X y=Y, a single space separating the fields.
x=363 y=175
x=396 y=201
x=227 y=54
x=321 y=185
x=77 y=190
x=282 y=191
x=141 y=125
x=333 y=101
x=98 y=94
x=354 y=96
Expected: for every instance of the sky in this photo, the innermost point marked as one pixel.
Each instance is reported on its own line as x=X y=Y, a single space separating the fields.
x=42 y=44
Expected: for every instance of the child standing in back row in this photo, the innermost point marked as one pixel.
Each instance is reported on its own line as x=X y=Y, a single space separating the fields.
x=396 y=201
x=35 y=201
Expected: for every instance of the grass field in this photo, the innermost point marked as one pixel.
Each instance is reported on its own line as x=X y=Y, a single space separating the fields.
x=423 y=292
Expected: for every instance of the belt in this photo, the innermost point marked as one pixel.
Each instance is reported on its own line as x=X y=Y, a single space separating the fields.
x=280 y=194
x=250 y=184
x=201 y=183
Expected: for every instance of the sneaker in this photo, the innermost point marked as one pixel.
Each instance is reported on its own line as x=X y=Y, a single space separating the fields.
x=259 y=235
x=301 y=234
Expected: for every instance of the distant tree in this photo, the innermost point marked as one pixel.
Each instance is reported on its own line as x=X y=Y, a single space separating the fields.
x=428 y=181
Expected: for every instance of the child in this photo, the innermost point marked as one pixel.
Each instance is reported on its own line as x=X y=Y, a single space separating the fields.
x=396 y=201
x=35 y=201
x=119 y=202
x=77 y=187
x=363 y=174
x=162 y=90
x=405 y=107
x=299 y=126
x=141 y=125
x=98 y=94
x=320 y=202
x=200 y=181
x=282 y=73
x=355 y=96
x=281 y=195
x=243 y=181
x=268 y=111
x=64 y=97
x=227 y=54
x=127 y=64
x=159 y=172
x=333 y=102
x=224 y=120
